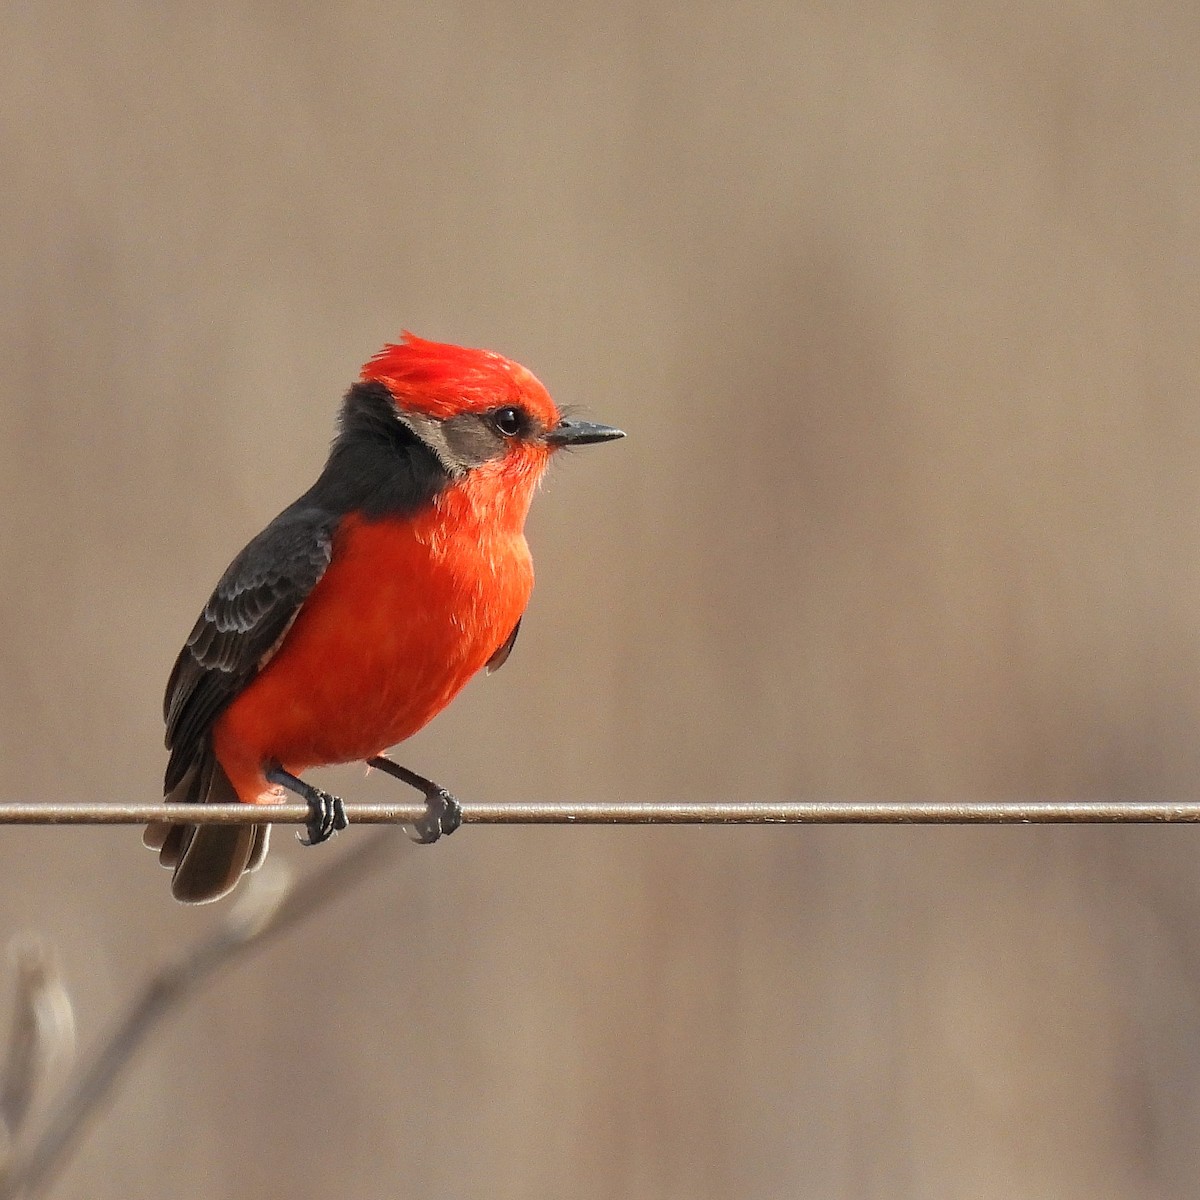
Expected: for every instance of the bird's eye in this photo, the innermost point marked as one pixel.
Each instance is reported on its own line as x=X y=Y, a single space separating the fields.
x=509 y=421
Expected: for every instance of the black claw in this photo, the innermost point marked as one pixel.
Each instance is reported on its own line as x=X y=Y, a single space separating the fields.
x=326 y=813
x=443 y=815
x=322 y=818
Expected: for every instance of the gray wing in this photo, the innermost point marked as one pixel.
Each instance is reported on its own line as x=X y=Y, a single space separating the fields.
x=501 y=656
x=252 y=607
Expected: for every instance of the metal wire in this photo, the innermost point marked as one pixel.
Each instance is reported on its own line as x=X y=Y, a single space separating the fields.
x=750 y=812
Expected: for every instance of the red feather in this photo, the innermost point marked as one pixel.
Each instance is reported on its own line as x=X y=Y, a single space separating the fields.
x=441 y=380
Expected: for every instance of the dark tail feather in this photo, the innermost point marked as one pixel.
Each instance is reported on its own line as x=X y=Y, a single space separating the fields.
x=212 y=862
x=208 y=860
x=262 y=840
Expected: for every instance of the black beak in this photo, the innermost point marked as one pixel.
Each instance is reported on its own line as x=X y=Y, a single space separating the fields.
x=581 y=433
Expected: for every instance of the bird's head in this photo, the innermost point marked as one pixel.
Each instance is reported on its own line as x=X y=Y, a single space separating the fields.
x=478 y=411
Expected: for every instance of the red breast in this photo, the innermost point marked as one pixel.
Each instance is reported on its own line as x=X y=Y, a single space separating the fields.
x=407 y=612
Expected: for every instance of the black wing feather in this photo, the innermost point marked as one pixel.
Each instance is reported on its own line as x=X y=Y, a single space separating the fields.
x=256 y=600
x=501 y=656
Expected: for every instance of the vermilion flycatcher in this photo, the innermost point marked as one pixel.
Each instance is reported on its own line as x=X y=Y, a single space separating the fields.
x=359 y=613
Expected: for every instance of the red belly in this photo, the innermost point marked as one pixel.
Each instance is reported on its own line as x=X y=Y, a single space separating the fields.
x=403 y=617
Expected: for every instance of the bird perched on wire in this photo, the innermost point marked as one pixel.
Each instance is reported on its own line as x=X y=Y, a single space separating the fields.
x=359 y=613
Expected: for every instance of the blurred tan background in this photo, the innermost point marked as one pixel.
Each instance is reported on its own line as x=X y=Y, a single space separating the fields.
x=900 y=308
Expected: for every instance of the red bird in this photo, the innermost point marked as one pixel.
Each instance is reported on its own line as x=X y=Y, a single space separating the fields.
x=359 y=613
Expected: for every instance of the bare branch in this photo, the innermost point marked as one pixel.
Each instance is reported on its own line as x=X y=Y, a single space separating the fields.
x=268 y=907
x=42 y=1038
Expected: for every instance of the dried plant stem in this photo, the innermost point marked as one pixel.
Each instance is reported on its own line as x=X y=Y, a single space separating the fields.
x=269 y=908
x=42 y=1035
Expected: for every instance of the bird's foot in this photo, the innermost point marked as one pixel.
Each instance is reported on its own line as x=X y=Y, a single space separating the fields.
x=326 y=816
x=443 y=813
x=326 y=812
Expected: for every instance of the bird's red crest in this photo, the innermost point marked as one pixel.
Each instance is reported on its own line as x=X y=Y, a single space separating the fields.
x=442 y=380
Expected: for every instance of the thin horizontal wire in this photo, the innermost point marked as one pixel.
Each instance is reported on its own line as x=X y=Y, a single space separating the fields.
x=750 y=812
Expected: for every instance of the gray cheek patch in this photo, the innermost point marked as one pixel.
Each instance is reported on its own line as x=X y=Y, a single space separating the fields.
x=473 y=439
x=461 y=442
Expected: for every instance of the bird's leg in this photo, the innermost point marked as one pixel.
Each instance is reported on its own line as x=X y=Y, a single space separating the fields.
x=326 y=813
x=443 y=813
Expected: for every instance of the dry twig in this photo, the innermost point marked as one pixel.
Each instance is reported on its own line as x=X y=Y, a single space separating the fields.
x=42 y=1038
x=269 y=906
